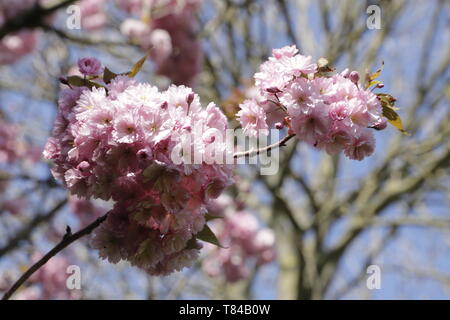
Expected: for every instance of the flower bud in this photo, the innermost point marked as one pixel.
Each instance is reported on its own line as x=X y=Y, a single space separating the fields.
x=164 y=105
x=354 y=77
x=89 y=66
x=190 y=98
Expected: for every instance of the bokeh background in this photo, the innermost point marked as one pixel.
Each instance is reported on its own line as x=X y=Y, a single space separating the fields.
x=331 y=217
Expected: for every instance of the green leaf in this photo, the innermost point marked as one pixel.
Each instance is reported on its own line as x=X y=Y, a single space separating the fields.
x=208 y=236
x=137 y=67
x=373 y=83
x=388 y=108
x=78 y=81
x=192 y=243
x=377 y=73
x=394 y=119
x=108 y=75
x=387 y=99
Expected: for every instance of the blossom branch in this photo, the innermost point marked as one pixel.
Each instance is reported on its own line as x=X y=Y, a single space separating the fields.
x=68 y=239
x=254 y=152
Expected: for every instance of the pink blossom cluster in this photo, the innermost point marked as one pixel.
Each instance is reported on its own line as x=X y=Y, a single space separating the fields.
x=168 y=28
x=334 y=113
x=16 y=45
x=246 y=243
x=49 y=282
x=118 y=143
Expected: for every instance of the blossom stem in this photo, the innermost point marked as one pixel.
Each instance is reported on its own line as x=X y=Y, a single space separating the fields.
x=65 y=242
x=254 y=152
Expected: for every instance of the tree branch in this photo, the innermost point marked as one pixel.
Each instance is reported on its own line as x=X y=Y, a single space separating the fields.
x=253 y=152
x=31 y=18
x=66 y=241
x=24 y=233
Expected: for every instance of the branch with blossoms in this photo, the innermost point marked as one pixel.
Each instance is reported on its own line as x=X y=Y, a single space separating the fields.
x=115 y=138
x=334 y=112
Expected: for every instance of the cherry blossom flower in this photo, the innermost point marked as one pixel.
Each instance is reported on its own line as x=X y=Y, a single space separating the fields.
x=120 y=146
x=89 y=66
x=252 y=118
x=334 y=113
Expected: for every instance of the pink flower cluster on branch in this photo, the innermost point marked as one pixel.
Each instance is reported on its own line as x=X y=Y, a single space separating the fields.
x=168 y=28
x=335 y=113
x=116 y=142
x=246 y=242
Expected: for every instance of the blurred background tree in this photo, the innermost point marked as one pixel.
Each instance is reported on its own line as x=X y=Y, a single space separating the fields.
x=332 y=217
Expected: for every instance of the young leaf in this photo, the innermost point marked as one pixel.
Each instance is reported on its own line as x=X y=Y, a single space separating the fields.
x=394 y=119
x=78 y=81
x=192 y=243
x=388 y=108
x=137 y=67
x=208 y=236
x=373 y=83
x=377 y=73
x=108 y=75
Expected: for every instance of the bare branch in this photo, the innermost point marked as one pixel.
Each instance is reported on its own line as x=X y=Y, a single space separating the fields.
x=68 y=239
x=252 y=152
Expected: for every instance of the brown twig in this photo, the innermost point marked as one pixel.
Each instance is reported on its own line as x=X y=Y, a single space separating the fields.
x=24 y=233
x=254 y=152
x=66 y=241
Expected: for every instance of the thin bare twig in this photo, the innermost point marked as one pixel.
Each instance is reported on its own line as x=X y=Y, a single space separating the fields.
x=24 y=233
x=254 y=152
x=66 y=241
